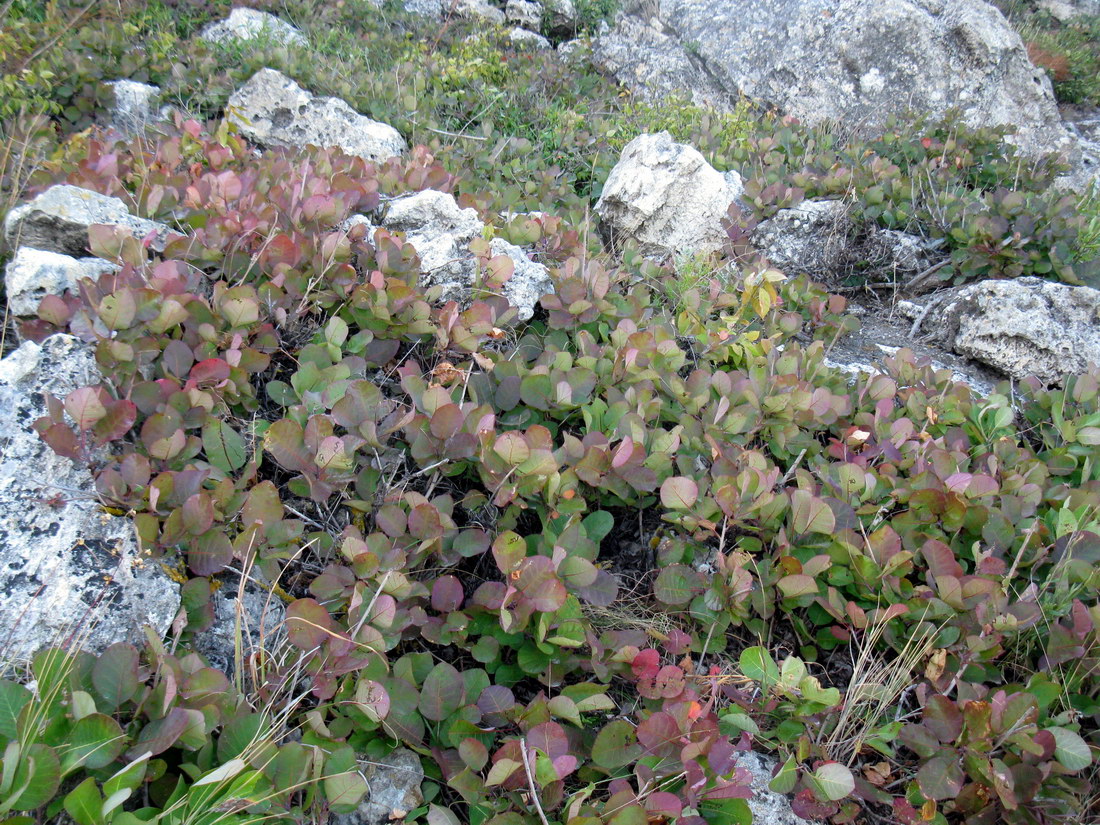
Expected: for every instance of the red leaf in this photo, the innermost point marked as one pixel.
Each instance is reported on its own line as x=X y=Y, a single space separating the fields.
x=447 y=594
x=210 y=371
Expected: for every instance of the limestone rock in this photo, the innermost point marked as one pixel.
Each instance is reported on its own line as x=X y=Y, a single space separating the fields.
x=526 y=14
x=561 y=17
x=767 y=806
x=1021 y=327
x=251 y=614
x=818 y=237
x=852 y=61
x=811 y=237
x=441 y=233
x=642 y=54
x=68 y=570
x=479 y=10
x=250 y=24
x=529 y=281
x=426 y=8
x=1066 y=10
x=278 y=112
x=394 y=783
x=528 y=39
x=667 y=198
x=32 y=274
x=58 y=220
x=574 y=51
x=135 y=107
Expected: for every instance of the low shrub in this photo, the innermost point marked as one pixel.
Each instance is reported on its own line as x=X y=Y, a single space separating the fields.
x=445 y=497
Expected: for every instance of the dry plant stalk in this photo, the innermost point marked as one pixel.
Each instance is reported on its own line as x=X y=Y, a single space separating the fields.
x=875 y=686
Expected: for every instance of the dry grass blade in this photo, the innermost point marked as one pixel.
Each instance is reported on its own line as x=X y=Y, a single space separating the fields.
x=874 y=688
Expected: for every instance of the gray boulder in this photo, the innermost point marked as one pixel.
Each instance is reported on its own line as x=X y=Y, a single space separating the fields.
x=1066 y=10
x=852 y=61
x=425 y=8
x=767 y=806
x=250 y=614
x=561 y=17
x=441 y=233
x=479 y=10
x=574 y=51
x=526 y=14
x=647 y=57
x=529 y=281
x=250 y=24
x=32 y=274
x=136 y=106
x=58 y=220
x=819 y=237
x=1020 y=327
x=394 y=783
x=528 y=39
x=276 y=111
x=666 y=197
x=68 y=570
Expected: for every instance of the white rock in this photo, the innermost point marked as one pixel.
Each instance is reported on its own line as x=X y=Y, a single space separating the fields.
x=767 y=806
x=426 y=8
x=562 y=16
x=69 y=571
x=135 y=106
x=479 y=10
x=529 y=282
x=250 y=24
x=439 y=230
x=528 y=39
x=278 y=112
x=526 y=14
x=58 y=220
x=32 y=274
x=818 y=237
x=573 y=51
x=253 y=615
x=846 y=61
x=441 y=233
x=666 y=197
x=394 y=782
x=1021 y=327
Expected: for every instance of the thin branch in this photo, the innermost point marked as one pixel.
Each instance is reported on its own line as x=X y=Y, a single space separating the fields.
x=531 y=780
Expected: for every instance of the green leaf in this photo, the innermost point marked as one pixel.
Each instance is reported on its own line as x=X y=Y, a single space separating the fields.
x=344 y=791
x=833 y=781
x=83 y=803
x=127 y=777
x=13 y=697
x=224 y=446
x=732 y=724
x=679 y=493
x=725 y=811
x=442 y=692
x=615 y=745
x=37 y=778
x=676 y=585
x=797 y=584
x=941 y=777
x=810 y=514
x=95 y=741
x=1070 y=749
x=441 y=816
x=115 y=674
x=758 y=665
x=785 y=779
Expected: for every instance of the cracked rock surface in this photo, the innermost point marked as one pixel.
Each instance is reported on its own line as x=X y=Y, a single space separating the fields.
x=68 y=570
